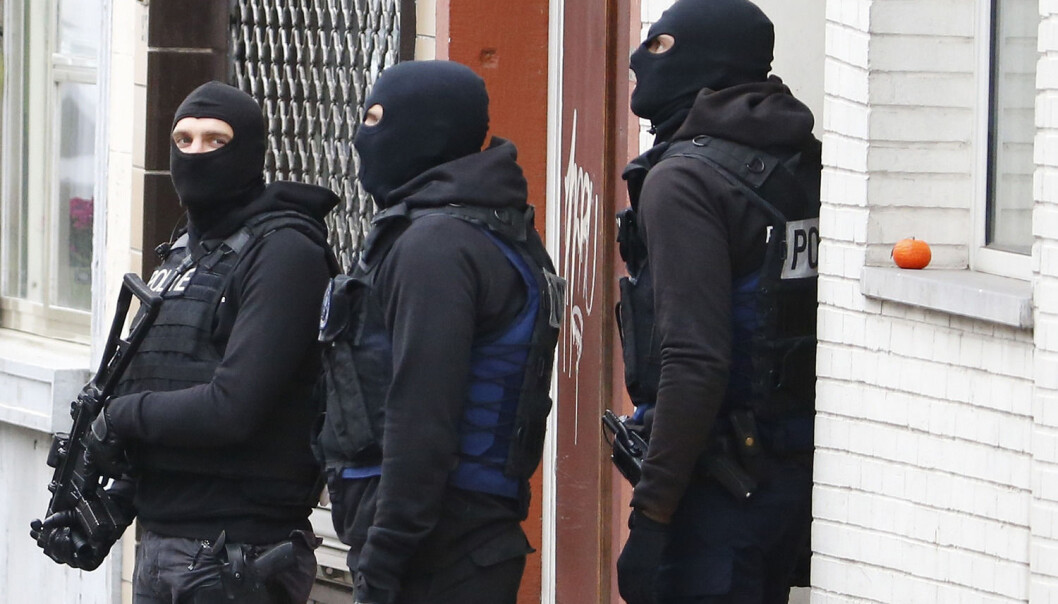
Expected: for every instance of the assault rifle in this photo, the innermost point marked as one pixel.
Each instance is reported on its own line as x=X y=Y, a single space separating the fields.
x=77 y=484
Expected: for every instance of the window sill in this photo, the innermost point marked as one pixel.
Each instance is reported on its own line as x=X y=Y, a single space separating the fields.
x=967 y=293
x=39 y=377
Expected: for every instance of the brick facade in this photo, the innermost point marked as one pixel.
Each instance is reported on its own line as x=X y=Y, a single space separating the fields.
x=1043 y=511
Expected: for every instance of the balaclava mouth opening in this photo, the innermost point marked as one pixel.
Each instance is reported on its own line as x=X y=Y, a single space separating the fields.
x=717 y=44
x=433 y=112
x=211 y=185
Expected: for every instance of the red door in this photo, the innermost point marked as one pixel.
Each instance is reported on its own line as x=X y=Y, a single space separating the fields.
x=594 y=149
x=507 y=44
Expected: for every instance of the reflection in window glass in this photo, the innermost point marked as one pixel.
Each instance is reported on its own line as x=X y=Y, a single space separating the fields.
x=22 y=222
x=79 y=26
x=75 y=179
x=1011 y=125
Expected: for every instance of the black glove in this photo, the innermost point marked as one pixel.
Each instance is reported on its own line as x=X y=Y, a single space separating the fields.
x=637 y=567
x=64 y=541
x=105 y=448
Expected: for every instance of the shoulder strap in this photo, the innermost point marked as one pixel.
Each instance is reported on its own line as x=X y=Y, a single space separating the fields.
x=744 y=167
x=508 y=222
x=513 y=224
x=265 y=224
x=261 y=226
x=751 y=166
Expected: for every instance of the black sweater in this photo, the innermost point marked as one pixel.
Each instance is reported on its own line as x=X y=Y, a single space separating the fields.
x=267 y=327
x=700 y=232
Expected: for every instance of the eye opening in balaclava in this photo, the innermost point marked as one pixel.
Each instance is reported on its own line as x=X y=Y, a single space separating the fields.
x=433 y=112
x=211 y=185
x=716 y=44
x=208 y=129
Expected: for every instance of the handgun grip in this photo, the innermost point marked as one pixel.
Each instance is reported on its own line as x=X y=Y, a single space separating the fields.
x=275 y=560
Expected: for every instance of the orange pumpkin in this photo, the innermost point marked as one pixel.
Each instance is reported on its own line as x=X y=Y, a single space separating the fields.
x=911 y=253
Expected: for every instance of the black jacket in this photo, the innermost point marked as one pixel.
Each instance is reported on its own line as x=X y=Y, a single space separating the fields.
x=267 y=328
x=700 y=233
x=442 y=283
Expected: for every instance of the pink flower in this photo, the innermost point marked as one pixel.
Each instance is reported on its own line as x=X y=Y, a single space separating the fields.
x=81 y=213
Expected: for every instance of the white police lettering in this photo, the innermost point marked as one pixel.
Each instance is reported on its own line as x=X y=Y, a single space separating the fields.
x=166 y=280
x=181 y=283
x=158 y=279
x=802 y=249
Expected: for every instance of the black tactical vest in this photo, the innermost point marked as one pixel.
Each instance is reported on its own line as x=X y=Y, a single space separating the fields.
x=773 y=308
x=183 y=348
x=358 y=361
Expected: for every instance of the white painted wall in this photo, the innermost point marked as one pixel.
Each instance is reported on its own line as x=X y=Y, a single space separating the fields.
x=799 y=49
x=26 y=574
x=925 y=472
x=1043 y=511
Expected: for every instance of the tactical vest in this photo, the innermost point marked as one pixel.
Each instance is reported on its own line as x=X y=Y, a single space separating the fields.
x=508 y=396
x=772 y=371
x=183 y=349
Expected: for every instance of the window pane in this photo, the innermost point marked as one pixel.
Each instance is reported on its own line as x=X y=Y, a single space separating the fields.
x=1012 y=127
x=23 y=222
x=80 y=22
x=75 y=180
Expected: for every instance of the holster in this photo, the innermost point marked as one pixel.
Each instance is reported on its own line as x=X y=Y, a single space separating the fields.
x=244 y=577
x=734 y=458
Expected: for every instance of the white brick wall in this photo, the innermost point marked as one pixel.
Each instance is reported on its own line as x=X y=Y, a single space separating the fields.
x=1043 y=550
x=927 y=469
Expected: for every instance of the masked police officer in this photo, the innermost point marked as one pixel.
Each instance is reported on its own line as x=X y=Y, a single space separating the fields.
x=724 y=228
x=215 y=410
x=451 y=322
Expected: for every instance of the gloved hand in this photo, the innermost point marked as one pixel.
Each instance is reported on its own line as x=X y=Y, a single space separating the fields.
x=64 y=541
x=637 y=567
x=105 y=448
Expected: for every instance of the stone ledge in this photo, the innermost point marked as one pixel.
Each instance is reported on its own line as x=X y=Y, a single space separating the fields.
x=39 y=377
x=967 y=293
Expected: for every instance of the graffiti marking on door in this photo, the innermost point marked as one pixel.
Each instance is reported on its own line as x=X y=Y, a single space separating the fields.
x=580 y=220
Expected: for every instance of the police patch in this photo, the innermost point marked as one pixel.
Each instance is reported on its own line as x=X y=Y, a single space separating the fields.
x=802 y=249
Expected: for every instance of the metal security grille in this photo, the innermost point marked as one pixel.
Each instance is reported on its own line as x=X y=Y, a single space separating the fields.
x=310 y=64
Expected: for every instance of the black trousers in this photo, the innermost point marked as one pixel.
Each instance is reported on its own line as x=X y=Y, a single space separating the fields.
x=487 y=573
x=725 y=551
x=468 y=581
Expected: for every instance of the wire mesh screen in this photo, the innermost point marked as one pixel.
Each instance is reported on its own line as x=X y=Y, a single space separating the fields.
x=310 y=64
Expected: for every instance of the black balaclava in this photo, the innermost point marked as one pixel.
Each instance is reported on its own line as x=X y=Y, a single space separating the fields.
x=717 y=44
x=211 y=185
x=432 y=112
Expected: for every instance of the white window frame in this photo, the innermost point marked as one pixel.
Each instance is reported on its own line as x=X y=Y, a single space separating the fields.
x=30 y=102
x=983 y=258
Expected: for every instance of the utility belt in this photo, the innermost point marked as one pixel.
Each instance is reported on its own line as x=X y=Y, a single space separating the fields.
x=741 y=451
x=246 y=569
